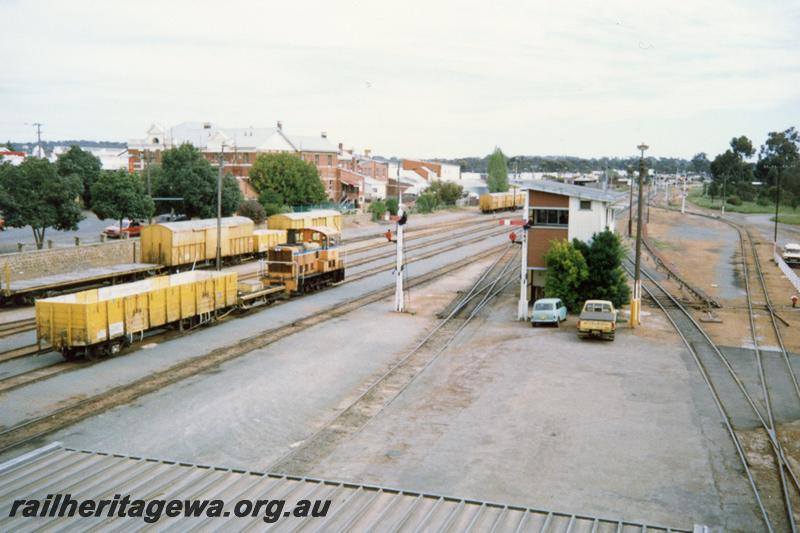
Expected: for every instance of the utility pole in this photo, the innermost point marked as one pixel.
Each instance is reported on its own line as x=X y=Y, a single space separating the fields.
x=683 y=196
x=724 y=182
x=523 y=305
x=637 y=282
x=38 y=126
x=219 y=205
x=630 y=204
x=149 y=185
x=777 y=208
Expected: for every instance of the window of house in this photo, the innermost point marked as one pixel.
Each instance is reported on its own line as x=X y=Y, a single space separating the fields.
x=586 y=205
x=330 y=160
x=316 y=159
x=549 y=217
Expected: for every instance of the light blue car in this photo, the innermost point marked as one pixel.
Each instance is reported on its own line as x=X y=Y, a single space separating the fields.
x=548 y=311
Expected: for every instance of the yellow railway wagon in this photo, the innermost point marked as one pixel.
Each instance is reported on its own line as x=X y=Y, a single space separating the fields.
x=499 y=201
x=264 y=239
x=100 y=321
x=329 y=218
x=195 y=241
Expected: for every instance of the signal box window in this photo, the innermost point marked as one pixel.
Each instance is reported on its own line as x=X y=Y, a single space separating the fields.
x=586 y=205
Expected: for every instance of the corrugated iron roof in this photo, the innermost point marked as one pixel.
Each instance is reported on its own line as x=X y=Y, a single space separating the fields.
x=566 y=189
x=54 y=469
x=306 y=214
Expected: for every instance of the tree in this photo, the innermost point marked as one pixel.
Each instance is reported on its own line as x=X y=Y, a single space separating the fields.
x=287 y=178
x=83 y=164
x=779 y=156
x=427 y=202
x=33 y=194
x=498 y=172
x=446 y=192
x=253 y=210
x=700 y=163
x=118 y=194
x=186 y=174
x=566 y=273
x=730 y=171
x=606 y=279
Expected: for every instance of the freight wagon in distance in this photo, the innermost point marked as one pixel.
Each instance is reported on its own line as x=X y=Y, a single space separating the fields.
x=319 y=218
x=501 y=201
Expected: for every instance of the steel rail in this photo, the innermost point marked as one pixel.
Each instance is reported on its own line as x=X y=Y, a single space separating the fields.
x=706 y=377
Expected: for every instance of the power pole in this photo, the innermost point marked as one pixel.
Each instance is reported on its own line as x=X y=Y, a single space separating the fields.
x=38 y=126
x=636 y=301
x=777 y=208
x=219 y=205
x=630 y=204
x=149 y=185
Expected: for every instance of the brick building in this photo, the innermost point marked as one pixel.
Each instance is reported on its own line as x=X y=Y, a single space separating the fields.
x=239 y=147
x=560 y=211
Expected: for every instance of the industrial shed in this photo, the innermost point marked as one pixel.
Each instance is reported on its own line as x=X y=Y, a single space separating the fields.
x=55 y=469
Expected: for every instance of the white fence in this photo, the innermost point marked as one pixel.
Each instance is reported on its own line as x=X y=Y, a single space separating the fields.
x=788 y=272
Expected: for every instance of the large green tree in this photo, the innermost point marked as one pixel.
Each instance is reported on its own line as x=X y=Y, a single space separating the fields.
x=34 y=194
x=118 y=194
x=497 y=179
x=606 y=279
x=780 y=157
x=731 y=171
x=186 y=174
x=447 y=192
x=566 y=272
x=700 y=163
x=285 y=179
x=83 y=164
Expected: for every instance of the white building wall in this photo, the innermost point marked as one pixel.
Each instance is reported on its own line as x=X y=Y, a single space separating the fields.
x=585 y=223
x=450 y=172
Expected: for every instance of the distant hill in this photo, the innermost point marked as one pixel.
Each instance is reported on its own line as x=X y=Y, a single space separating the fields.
x=536 y=163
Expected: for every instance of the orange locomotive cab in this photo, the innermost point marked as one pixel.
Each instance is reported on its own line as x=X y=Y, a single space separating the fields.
x=308 y=261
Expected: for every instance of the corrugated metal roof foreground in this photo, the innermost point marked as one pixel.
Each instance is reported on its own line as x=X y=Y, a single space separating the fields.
x=54 y=469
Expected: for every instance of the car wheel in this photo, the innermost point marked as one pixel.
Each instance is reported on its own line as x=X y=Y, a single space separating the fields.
x=533 y=324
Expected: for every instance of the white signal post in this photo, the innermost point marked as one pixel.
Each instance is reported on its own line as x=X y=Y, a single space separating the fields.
x=399 y=269
x=683 y=196
x=522 y=307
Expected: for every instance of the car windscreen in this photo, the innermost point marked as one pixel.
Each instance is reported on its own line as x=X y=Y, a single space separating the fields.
x=543 y=307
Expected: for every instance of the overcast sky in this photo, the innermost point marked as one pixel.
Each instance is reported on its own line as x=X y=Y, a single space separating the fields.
x=409 y=78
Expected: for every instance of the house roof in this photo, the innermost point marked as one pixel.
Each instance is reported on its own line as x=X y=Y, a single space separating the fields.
x=191 y=225
x=87 y=475
x=309 y=143
x=577 y=191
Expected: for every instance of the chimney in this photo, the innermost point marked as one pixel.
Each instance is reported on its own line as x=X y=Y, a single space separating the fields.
x=367 y=151
x=280 y=126
x=340 y=148
x=206 y=125
x=324 y=134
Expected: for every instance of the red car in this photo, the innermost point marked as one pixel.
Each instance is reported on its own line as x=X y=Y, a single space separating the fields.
x=133 y=229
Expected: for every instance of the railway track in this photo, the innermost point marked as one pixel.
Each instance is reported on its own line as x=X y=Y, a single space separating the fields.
x=49 y=371
x=34 y=428
x=742 y=410
x=16 y=327
x=389 y=386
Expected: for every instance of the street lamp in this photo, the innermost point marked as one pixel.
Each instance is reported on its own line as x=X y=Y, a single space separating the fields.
x=637 y=283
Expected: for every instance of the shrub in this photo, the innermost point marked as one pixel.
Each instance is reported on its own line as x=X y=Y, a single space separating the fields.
x=426 y=202
x=734 y=200
x=392 y=205
x=377 y=209
x=253 y=210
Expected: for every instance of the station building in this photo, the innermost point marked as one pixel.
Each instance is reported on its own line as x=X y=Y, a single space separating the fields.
x=557 y=211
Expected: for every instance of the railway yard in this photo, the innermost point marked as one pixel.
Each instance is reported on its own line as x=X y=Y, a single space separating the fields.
x=691 y=419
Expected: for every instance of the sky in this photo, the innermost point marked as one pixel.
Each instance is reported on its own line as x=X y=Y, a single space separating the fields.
x=413 y=78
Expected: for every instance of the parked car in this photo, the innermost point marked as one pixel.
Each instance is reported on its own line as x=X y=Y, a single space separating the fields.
x=132 y=228
x=598 y=319
x=170 y=217
x=791 y=254
x=548 y=311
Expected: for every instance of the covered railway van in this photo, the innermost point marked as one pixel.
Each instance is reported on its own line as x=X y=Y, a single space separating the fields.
x=319 y=218
x=264 y=239
x=501 y=201
x=100 y=321
x=195 y=241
